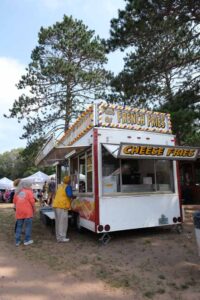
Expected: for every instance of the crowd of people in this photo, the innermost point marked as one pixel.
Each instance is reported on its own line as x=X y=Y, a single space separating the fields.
x=48 y=192
x=6 y=196
x=24 y=204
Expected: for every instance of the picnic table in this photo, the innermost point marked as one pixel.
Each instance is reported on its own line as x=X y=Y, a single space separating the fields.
x=47 y=216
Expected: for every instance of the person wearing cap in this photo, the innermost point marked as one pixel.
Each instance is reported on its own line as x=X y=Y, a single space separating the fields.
x=61 y=205
x=51 y=191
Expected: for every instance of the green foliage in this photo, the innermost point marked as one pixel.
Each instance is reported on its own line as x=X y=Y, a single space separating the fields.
x=65 y=73
x=11 y=164
x=163 y=60
x=28 y=156
x=20 y=163
x=185 y=116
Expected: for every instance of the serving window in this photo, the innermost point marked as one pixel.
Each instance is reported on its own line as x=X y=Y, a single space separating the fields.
x=164 y=175
x=63 y=170
x=82 y=173
x=74 y=173
x=81 y=170
x=89 y=171
x=110 y=172
x=135 y=175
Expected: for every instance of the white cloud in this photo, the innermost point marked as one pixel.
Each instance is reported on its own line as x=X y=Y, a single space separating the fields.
x=10 y=73
x=53 y=4
x=108 y=6
x=48 y=4
x=10 y=131
x=96 y=14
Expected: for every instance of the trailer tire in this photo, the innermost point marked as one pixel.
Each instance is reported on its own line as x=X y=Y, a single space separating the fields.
x=78 y=223
x=179 y=228
x=72 y=219
x=43 y=218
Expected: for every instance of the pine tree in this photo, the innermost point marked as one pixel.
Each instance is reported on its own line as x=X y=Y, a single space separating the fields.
x=65 y=73
x=163 y=61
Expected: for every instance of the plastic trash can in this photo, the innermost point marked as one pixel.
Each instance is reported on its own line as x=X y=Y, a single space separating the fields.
x=196 y=219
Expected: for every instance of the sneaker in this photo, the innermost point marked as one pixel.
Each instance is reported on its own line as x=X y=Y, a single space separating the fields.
x=28 y=243
x=63 y=240
x=17 y=244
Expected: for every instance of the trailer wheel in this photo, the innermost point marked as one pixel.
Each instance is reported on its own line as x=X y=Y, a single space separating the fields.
x=43 y=218
x=179 y=228
x=78 y=223
x=72 y=219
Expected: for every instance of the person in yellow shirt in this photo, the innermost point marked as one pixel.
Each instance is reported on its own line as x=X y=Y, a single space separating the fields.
x=61 y=206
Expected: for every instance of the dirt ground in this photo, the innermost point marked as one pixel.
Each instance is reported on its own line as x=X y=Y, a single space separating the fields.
x=154 y=263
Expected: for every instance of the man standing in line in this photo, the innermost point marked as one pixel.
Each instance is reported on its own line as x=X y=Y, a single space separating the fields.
x=61 y=205
x=51 y=191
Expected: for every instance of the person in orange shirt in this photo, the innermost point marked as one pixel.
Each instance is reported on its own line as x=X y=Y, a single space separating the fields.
x=24 y=210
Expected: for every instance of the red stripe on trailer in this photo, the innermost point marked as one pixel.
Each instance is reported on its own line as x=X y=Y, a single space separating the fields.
x=179 y=183
x=179 y=188
x=96 y=177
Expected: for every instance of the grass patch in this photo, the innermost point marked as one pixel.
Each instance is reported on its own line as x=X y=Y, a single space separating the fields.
x=161 y=277
x=128 y=265
x=160 y=291
x=173 y=285
x=122 y=282
x=184 y=286
x=84 y=260
x=147 y=242
x=102 y=273
x=149 y=294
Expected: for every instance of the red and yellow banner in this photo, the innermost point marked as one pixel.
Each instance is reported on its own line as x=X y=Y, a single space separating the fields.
x=157 y=151
x=116 y=116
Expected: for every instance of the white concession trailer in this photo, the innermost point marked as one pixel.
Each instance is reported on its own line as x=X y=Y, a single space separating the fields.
x=123 y=164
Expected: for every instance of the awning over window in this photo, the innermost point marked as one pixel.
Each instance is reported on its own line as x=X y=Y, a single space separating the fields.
x=137 y=151
x=58 y=154
x=112 y=149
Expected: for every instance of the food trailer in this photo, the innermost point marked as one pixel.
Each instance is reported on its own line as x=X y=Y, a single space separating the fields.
x=123 y=164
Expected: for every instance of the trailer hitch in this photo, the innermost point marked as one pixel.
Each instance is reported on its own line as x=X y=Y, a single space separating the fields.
x=105 y=238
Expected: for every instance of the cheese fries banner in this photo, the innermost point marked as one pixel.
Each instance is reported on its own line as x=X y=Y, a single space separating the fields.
x=157 y=151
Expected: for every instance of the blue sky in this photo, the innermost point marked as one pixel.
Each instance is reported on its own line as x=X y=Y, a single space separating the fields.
x=20 y=22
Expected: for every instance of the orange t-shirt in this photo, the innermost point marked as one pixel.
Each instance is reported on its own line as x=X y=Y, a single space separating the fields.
x=24 y=202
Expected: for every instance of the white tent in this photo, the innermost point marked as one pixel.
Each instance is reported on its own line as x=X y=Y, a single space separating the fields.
x=52 y=176
x=6 y=184
x=37 y=179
